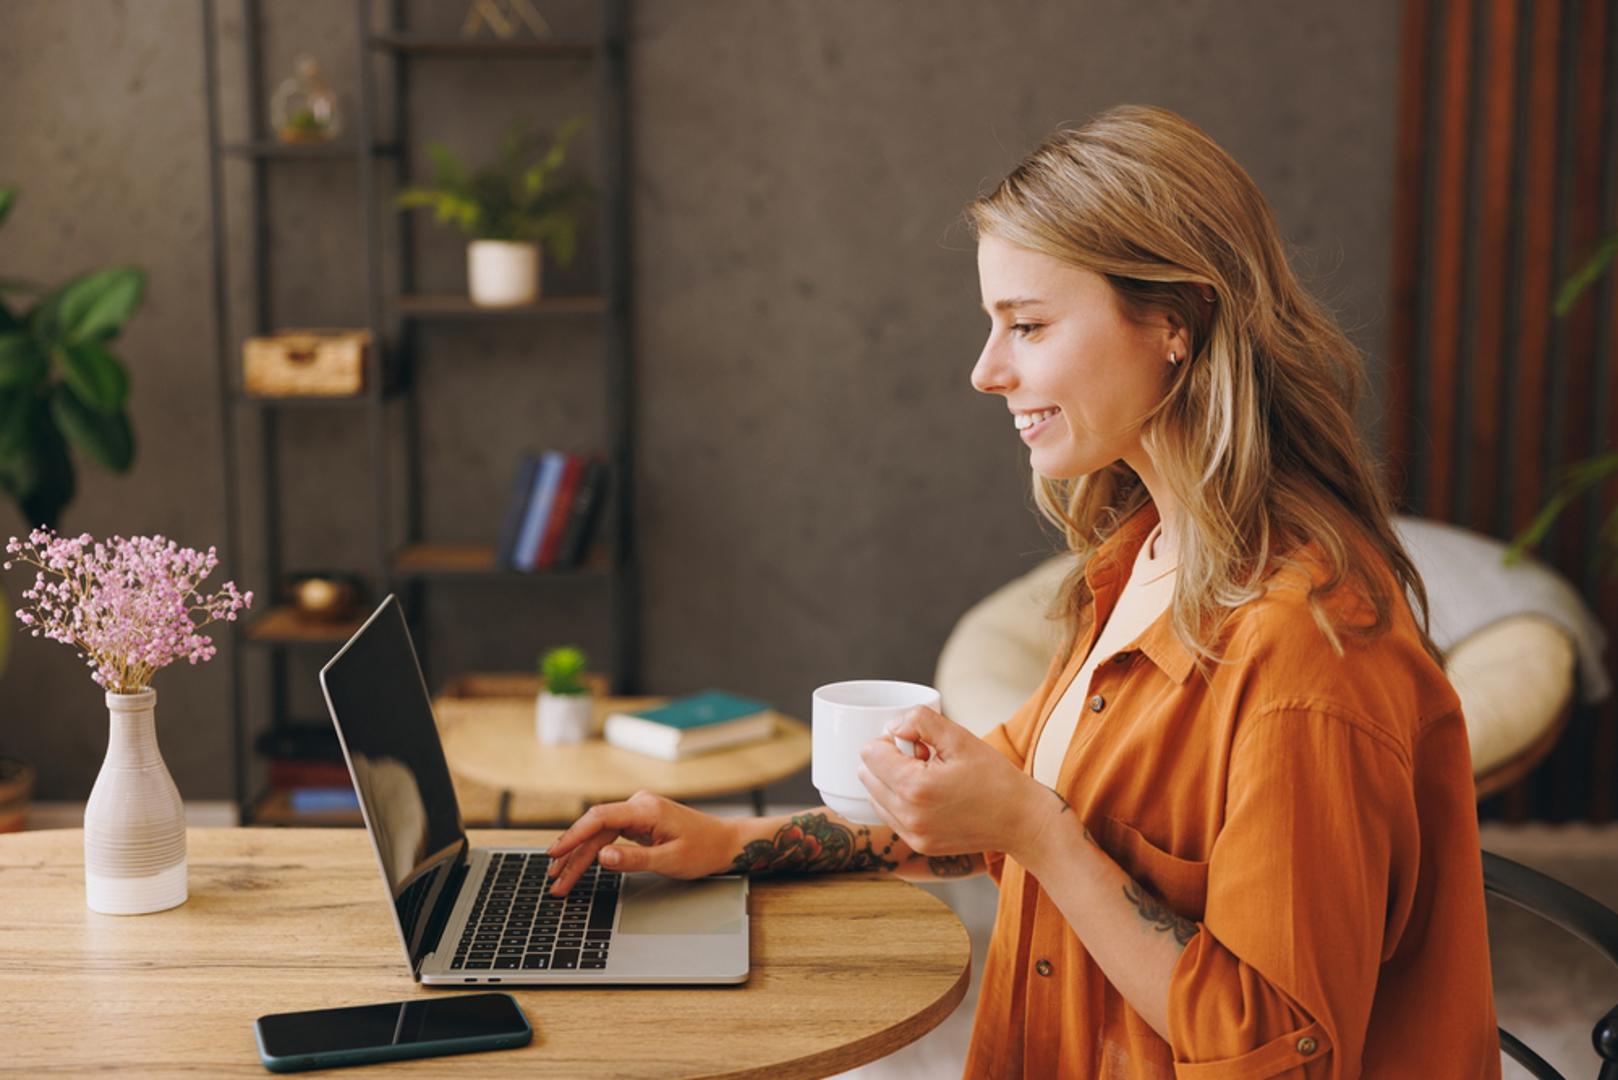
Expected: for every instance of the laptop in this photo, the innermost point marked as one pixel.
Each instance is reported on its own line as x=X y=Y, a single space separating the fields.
x=477 y=916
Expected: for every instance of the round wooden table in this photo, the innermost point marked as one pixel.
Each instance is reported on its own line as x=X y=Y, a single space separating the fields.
x=491 y=741
x=846 y=968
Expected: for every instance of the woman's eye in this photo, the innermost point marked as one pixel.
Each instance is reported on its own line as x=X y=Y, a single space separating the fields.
x=1022 y=328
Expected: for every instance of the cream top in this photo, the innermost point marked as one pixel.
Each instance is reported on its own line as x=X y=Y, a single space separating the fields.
x=1145 y=596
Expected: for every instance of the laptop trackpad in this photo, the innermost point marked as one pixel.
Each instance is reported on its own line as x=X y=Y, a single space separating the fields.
x=660 y=905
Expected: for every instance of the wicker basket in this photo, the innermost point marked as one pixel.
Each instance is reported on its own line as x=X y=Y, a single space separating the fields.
x=306 y=363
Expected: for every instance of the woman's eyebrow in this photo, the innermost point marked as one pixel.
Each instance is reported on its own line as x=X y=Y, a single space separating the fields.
x=1014 y=302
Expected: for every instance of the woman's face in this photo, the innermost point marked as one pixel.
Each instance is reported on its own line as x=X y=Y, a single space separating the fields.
x=1066 y=357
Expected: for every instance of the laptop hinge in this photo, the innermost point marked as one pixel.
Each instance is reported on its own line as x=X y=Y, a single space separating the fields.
x=446 y=904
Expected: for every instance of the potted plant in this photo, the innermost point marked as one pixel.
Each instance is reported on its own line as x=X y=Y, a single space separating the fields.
x=130 y=607
x=61 y=390
x=508 y=210
x=565 y=706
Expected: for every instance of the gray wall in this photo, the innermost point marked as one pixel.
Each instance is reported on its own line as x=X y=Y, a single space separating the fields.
x=821 y=493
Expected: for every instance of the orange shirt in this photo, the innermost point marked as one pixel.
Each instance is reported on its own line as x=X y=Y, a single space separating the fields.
x=1313 y=814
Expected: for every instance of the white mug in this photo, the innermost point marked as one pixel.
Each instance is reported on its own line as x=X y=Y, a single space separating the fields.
x=847 y=715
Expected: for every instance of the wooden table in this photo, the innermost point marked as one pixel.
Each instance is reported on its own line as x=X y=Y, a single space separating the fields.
x=846 y=968
x=491 y=741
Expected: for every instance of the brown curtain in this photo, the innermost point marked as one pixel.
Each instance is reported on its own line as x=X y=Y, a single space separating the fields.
x=1507 y=181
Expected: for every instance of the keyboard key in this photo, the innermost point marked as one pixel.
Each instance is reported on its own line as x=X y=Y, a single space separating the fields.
x=593 y=954
x=536 y=962
x=508 y=962
x=479 y=965
x=587 y=964
x=598 y=935
x=564 y=960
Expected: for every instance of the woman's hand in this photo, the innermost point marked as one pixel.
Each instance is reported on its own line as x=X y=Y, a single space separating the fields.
x=676 y=840
x=964 y=797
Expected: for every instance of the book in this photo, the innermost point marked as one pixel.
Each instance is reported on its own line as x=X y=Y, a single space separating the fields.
x=694 y=724
x=522 y=485
x=319 y=800
x=308 y=772
x=557 y=521
x=539 y=507
x=587 y=502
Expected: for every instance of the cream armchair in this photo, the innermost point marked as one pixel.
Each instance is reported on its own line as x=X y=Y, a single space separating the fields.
x=1514 y=639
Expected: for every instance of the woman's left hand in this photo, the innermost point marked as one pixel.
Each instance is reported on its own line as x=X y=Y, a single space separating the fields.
x=964 y=797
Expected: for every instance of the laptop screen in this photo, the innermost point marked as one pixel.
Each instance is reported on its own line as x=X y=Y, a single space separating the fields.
x=379 y=704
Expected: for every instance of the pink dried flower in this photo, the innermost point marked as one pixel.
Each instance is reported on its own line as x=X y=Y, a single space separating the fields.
x=127 y=603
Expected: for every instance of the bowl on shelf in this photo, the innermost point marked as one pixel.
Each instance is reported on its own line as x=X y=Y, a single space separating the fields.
x=322 y=596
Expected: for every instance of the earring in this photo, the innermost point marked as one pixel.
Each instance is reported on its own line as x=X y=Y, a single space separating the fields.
x=1174 y=358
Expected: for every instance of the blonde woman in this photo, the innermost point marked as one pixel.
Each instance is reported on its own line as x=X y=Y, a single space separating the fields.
x=1234 y=829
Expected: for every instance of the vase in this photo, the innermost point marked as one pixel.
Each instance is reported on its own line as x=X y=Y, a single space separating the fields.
x=134 y=823
x=563 y=718
x=502 y=273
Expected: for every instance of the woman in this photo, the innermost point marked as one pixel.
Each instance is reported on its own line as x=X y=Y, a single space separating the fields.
x=1234 y=830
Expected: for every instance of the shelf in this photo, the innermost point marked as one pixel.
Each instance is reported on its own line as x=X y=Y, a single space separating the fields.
x=273 y=148
x=274 y=807
x=461 y=307
x=477 y=561
x=562 y=45
x=304 y=401
x=284 y=626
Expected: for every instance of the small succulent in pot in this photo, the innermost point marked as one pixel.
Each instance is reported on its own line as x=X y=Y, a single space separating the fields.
x=565 y=707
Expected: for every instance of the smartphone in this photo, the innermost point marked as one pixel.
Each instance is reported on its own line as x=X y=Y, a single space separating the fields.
x=360 y=1034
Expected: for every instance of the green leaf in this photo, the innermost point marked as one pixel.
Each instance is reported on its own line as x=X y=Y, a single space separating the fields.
x=8 y=198
x=20 y=362
x=54 y=486
x=16 y=420
x=104 y=437
x=95 y=375
x=1586 y=275
x=449 y=173
x=93 y=307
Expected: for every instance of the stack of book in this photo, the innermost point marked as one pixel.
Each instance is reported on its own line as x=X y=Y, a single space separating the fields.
x=695 y=724
x=551 y=513
x=307 y=762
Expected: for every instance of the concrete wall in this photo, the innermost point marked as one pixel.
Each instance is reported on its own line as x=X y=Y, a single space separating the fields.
x=821 y=493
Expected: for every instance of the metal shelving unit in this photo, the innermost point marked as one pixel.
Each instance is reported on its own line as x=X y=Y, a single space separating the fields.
x=413 y=564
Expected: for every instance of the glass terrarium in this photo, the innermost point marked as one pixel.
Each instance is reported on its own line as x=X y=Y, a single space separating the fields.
x=304 y=109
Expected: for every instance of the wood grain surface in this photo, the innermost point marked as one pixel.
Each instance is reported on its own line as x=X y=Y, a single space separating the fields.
x=846 y=968
x=491 y=741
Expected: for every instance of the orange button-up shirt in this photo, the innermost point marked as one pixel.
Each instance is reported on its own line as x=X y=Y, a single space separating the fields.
x=1314 y=815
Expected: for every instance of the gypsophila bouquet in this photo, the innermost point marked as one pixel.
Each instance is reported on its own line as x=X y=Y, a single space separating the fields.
x=129 y=604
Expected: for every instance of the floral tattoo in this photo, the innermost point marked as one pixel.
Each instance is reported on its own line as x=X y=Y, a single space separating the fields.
x=812 y=842
x=1153 y=911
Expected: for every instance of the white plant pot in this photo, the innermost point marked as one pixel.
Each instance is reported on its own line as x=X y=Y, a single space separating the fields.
x=502 y=273
x=134 y=823
x=563 y=718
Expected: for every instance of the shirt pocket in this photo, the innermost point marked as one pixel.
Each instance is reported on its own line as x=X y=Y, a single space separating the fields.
x=1180 y=883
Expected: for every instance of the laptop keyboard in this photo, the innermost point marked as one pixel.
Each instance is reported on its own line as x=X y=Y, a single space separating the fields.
x=516 y=924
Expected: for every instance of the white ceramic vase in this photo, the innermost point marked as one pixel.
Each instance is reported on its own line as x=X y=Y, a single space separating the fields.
x=563 y=718
x=502 y=273
x=134 y=823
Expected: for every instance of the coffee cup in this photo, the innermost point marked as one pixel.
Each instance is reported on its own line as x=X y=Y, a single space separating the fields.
x=846 y=716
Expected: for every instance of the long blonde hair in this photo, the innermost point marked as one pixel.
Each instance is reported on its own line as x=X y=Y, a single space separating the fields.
x=1255 y=436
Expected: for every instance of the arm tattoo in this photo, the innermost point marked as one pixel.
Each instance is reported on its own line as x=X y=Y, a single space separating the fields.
x=810 y=843
x=1153 y=911
x=946 y=866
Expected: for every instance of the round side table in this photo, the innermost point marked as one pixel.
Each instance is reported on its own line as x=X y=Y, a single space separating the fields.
x=491 y=741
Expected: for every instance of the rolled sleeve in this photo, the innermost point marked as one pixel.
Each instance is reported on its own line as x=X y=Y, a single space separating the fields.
x=1318 y=849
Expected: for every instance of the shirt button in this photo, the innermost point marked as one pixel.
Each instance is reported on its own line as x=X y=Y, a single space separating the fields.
x=1043 y=967
x=1098 y=703
x=1307 y=1045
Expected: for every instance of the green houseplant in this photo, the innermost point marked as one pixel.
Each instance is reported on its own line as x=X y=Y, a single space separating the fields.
x=61 y=389
x=507 y=210
x=1580 y=476
x=562 y=713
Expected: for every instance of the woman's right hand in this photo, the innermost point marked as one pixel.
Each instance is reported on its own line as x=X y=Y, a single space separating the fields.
x=676 y=841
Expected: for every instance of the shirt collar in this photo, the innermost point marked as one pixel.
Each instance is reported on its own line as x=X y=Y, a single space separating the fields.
x=1106 y=573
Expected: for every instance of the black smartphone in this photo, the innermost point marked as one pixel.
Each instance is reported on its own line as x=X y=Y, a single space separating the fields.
x=360 y=1034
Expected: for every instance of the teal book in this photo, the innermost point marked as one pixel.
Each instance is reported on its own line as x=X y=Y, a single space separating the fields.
x=697 y=723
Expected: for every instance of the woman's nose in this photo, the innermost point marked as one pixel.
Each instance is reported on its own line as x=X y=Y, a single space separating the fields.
x=991 y=375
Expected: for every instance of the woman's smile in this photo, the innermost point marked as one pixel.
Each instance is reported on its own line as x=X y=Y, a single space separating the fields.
x=1031 y=425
